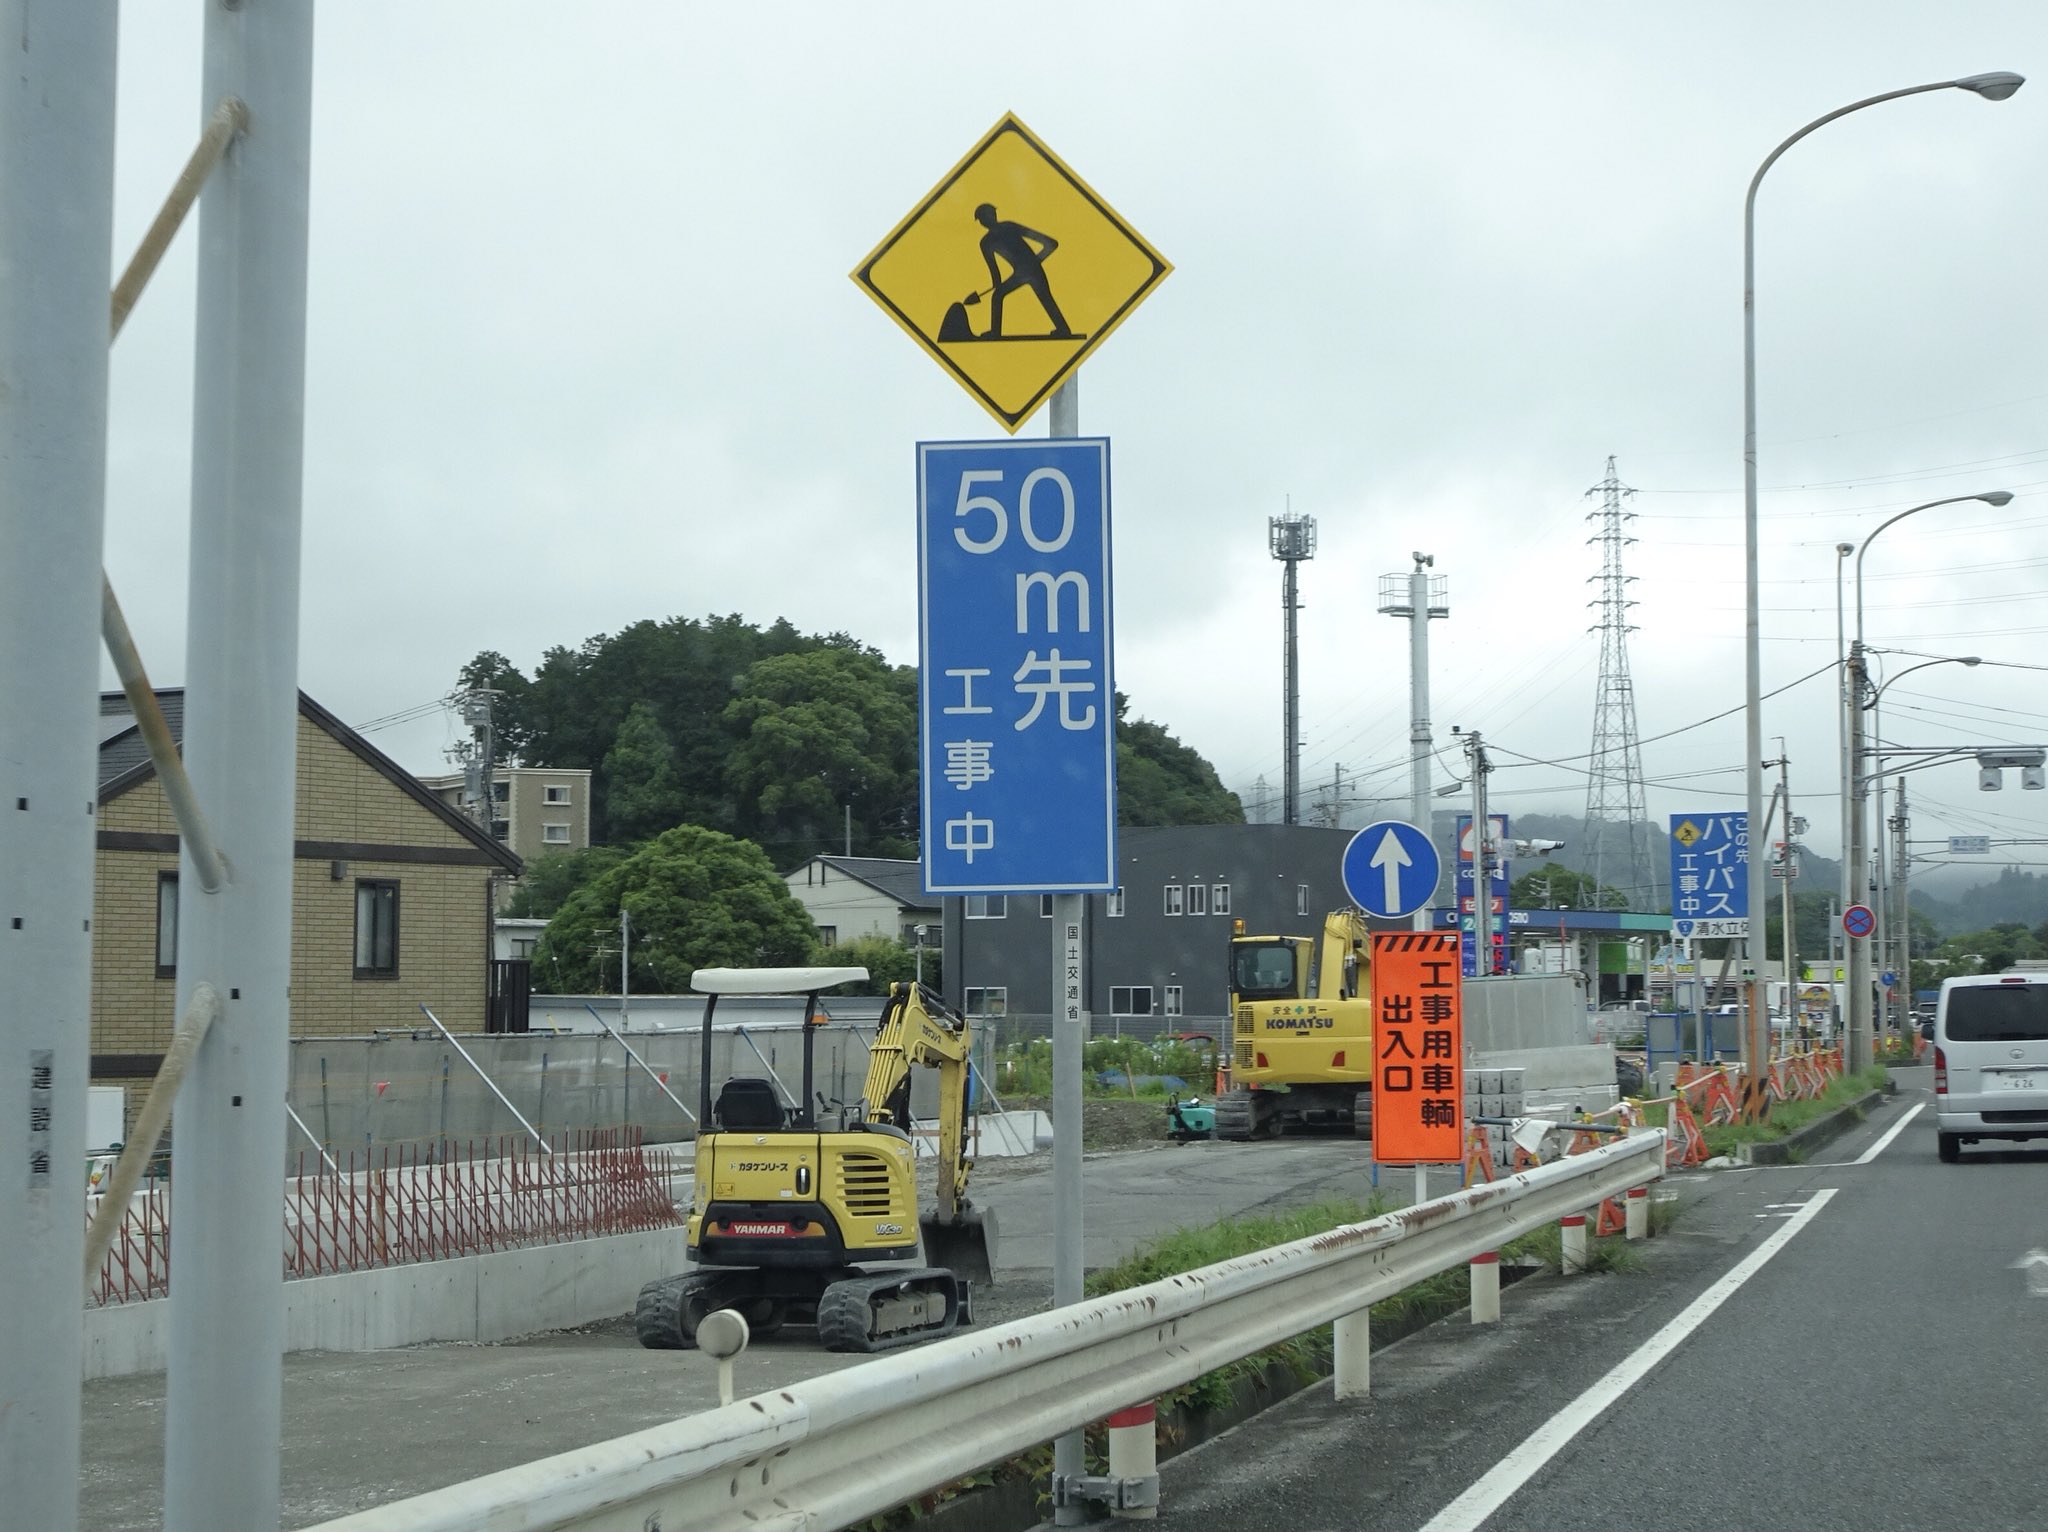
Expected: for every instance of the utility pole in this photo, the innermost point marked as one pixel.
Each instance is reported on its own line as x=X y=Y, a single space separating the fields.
x=1788 y=867
x=1427 y=596
x=1903 y=949
x=1857 y=1037
x=1482 y=858
x=625 y=968
x=1291 y=539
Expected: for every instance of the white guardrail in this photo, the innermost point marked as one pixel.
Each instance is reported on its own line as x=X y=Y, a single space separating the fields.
x=833 y=1450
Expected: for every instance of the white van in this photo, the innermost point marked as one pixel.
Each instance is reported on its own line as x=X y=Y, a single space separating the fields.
x=1990 y=1060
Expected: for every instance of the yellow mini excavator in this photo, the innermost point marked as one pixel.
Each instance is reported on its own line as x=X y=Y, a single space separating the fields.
x=807 y=1212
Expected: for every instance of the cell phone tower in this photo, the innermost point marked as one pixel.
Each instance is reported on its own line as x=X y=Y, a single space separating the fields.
x=1618 y=845
x=1291 y=539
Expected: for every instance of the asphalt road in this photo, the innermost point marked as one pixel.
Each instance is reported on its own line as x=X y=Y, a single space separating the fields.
x=1881 y=1368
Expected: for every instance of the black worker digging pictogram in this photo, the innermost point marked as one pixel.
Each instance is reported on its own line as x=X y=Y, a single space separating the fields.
x=1016 y=257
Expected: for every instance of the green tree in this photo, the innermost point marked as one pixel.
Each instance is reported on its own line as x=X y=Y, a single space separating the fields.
x=887 y=962
x=645 y=794
x=1552 y=887
x=1160 y=781
x=549 y=880
x=1992 y=950
x=696 y=899
x=818 y=737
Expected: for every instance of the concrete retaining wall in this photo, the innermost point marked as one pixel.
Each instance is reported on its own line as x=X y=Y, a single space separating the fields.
x=471 y=1298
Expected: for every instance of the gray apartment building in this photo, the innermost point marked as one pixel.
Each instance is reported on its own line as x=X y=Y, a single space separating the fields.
x=1158 y=947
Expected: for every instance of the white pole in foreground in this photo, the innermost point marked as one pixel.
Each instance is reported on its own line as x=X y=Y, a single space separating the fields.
x=224 y=1394
x=56 y=239
x=1486 y=1288
x=1069 y=1037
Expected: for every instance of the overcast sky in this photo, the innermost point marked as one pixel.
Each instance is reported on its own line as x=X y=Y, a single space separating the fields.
x=583 y=351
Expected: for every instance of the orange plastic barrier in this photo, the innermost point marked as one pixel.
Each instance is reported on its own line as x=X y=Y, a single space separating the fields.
x=1478 y=1156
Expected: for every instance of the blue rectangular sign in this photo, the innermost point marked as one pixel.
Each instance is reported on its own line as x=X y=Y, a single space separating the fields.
x=1016 y=691
x=1468 y=915
x=1710 y=875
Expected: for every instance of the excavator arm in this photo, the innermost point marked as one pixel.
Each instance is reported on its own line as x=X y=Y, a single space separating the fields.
x=918 y=1031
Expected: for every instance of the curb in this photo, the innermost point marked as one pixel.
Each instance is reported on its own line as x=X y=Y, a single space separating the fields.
x=1820 y=1131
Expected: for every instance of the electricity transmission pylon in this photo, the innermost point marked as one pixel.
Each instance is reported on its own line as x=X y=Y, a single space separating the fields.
x=1618 y=851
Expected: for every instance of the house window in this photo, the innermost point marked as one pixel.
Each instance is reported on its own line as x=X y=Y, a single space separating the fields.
x=829 y=935
x=1130 y=1000
x=555 y=835
x=166 y=925
x=1173 y=999
x=1173 y=898
x=1301 y=898
x=376 y=929
x=1045 y=906
x=1219 y=898
x=1198 y=898
x=522 y=947
x=985 y=907
x=555 y=792
x=1114 y=903
x=993 y=1001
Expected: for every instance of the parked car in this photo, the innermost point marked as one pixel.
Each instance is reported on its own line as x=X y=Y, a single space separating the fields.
x=1990 y=1060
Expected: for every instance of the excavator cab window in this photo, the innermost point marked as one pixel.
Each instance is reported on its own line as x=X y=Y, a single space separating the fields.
x=1263 y=970
x=745 y=1103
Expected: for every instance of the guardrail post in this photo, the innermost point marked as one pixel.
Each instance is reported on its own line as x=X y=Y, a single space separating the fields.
x=1573 y=1228
x=1352 y=1353
x=1637 y=1207
x=1134 y=1456
x=1486 y=1288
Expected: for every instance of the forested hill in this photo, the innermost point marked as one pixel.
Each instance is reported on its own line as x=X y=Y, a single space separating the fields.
x=773 y=735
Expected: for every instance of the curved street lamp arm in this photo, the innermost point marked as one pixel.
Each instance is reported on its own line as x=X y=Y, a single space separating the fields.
x=1864 y=548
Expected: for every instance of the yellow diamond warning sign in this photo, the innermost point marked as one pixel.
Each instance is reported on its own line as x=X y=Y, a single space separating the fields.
x=1011 y=271
x=1687 y=833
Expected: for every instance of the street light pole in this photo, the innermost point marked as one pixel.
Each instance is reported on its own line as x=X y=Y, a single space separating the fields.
x=1844 y=766
x=1992 y=87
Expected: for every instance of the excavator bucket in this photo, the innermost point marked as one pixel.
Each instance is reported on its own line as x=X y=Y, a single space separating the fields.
x=966 y=1247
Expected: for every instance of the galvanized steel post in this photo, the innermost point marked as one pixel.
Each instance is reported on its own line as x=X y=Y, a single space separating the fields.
x=224 y=1393
x=56 y=238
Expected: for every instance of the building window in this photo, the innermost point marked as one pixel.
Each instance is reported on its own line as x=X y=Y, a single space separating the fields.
x=555 y=835
x=500 y=791
x=1173 y=898
x=985 y=907
x=376 y=929
x=1130 y=1000
x=522 y=947
x=829 y=935
x=993 y=1001
x=1301 y=898
x=1045 y=906
x=166 y=925
x=555 y=792
x=1173 y=999
x=501 y=829
x=1114 y=903
x=1198 y=898
x=1219 y=898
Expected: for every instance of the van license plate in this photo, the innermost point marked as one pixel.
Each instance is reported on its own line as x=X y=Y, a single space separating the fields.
x=2019 y=1082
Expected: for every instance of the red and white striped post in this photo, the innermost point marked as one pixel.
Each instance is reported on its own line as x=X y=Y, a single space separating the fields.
x=1134 y=1454
x=1636 y=1207
x=1573 y=1228
x=1486 y=1288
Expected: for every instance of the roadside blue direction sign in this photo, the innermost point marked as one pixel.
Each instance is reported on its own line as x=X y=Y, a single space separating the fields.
x=1016 y=695
x=1710 y=875
x=1391 y=869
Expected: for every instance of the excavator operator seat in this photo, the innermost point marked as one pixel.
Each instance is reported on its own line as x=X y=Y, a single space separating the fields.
x=746 y=1103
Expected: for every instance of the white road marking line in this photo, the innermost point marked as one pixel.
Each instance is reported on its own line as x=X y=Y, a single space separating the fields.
x=1470 y=1510
x=1896 y=1129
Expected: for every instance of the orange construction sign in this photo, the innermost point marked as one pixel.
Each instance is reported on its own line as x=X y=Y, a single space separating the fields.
x=1418 y=1046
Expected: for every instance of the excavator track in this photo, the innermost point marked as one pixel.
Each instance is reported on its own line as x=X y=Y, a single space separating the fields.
x=666 y=1314
x=1236 y=1115
x=869 y=1314
x=1361 y=1116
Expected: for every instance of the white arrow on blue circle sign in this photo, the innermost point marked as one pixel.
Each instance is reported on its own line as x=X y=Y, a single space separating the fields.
x=1390 y=869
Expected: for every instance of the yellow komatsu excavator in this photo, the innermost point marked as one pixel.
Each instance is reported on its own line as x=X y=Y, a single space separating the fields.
x=1301 y=1031
x=809 y=1213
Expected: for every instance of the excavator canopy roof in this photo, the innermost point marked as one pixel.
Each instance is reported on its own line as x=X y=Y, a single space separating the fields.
x=771 y=981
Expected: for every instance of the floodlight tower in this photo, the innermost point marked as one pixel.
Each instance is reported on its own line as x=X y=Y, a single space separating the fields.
x=1617 y=816
x=1291 y=539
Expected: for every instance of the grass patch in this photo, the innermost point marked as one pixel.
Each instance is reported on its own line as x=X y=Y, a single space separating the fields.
x=1787 y=1117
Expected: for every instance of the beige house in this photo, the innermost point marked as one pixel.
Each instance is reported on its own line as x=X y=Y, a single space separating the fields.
x=536 y=810
x=849 y=897
x=391 y=901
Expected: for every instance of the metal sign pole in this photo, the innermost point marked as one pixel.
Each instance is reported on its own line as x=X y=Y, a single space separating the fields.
x=223 y=1399
x=56 y=237
x=1069 y=1039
